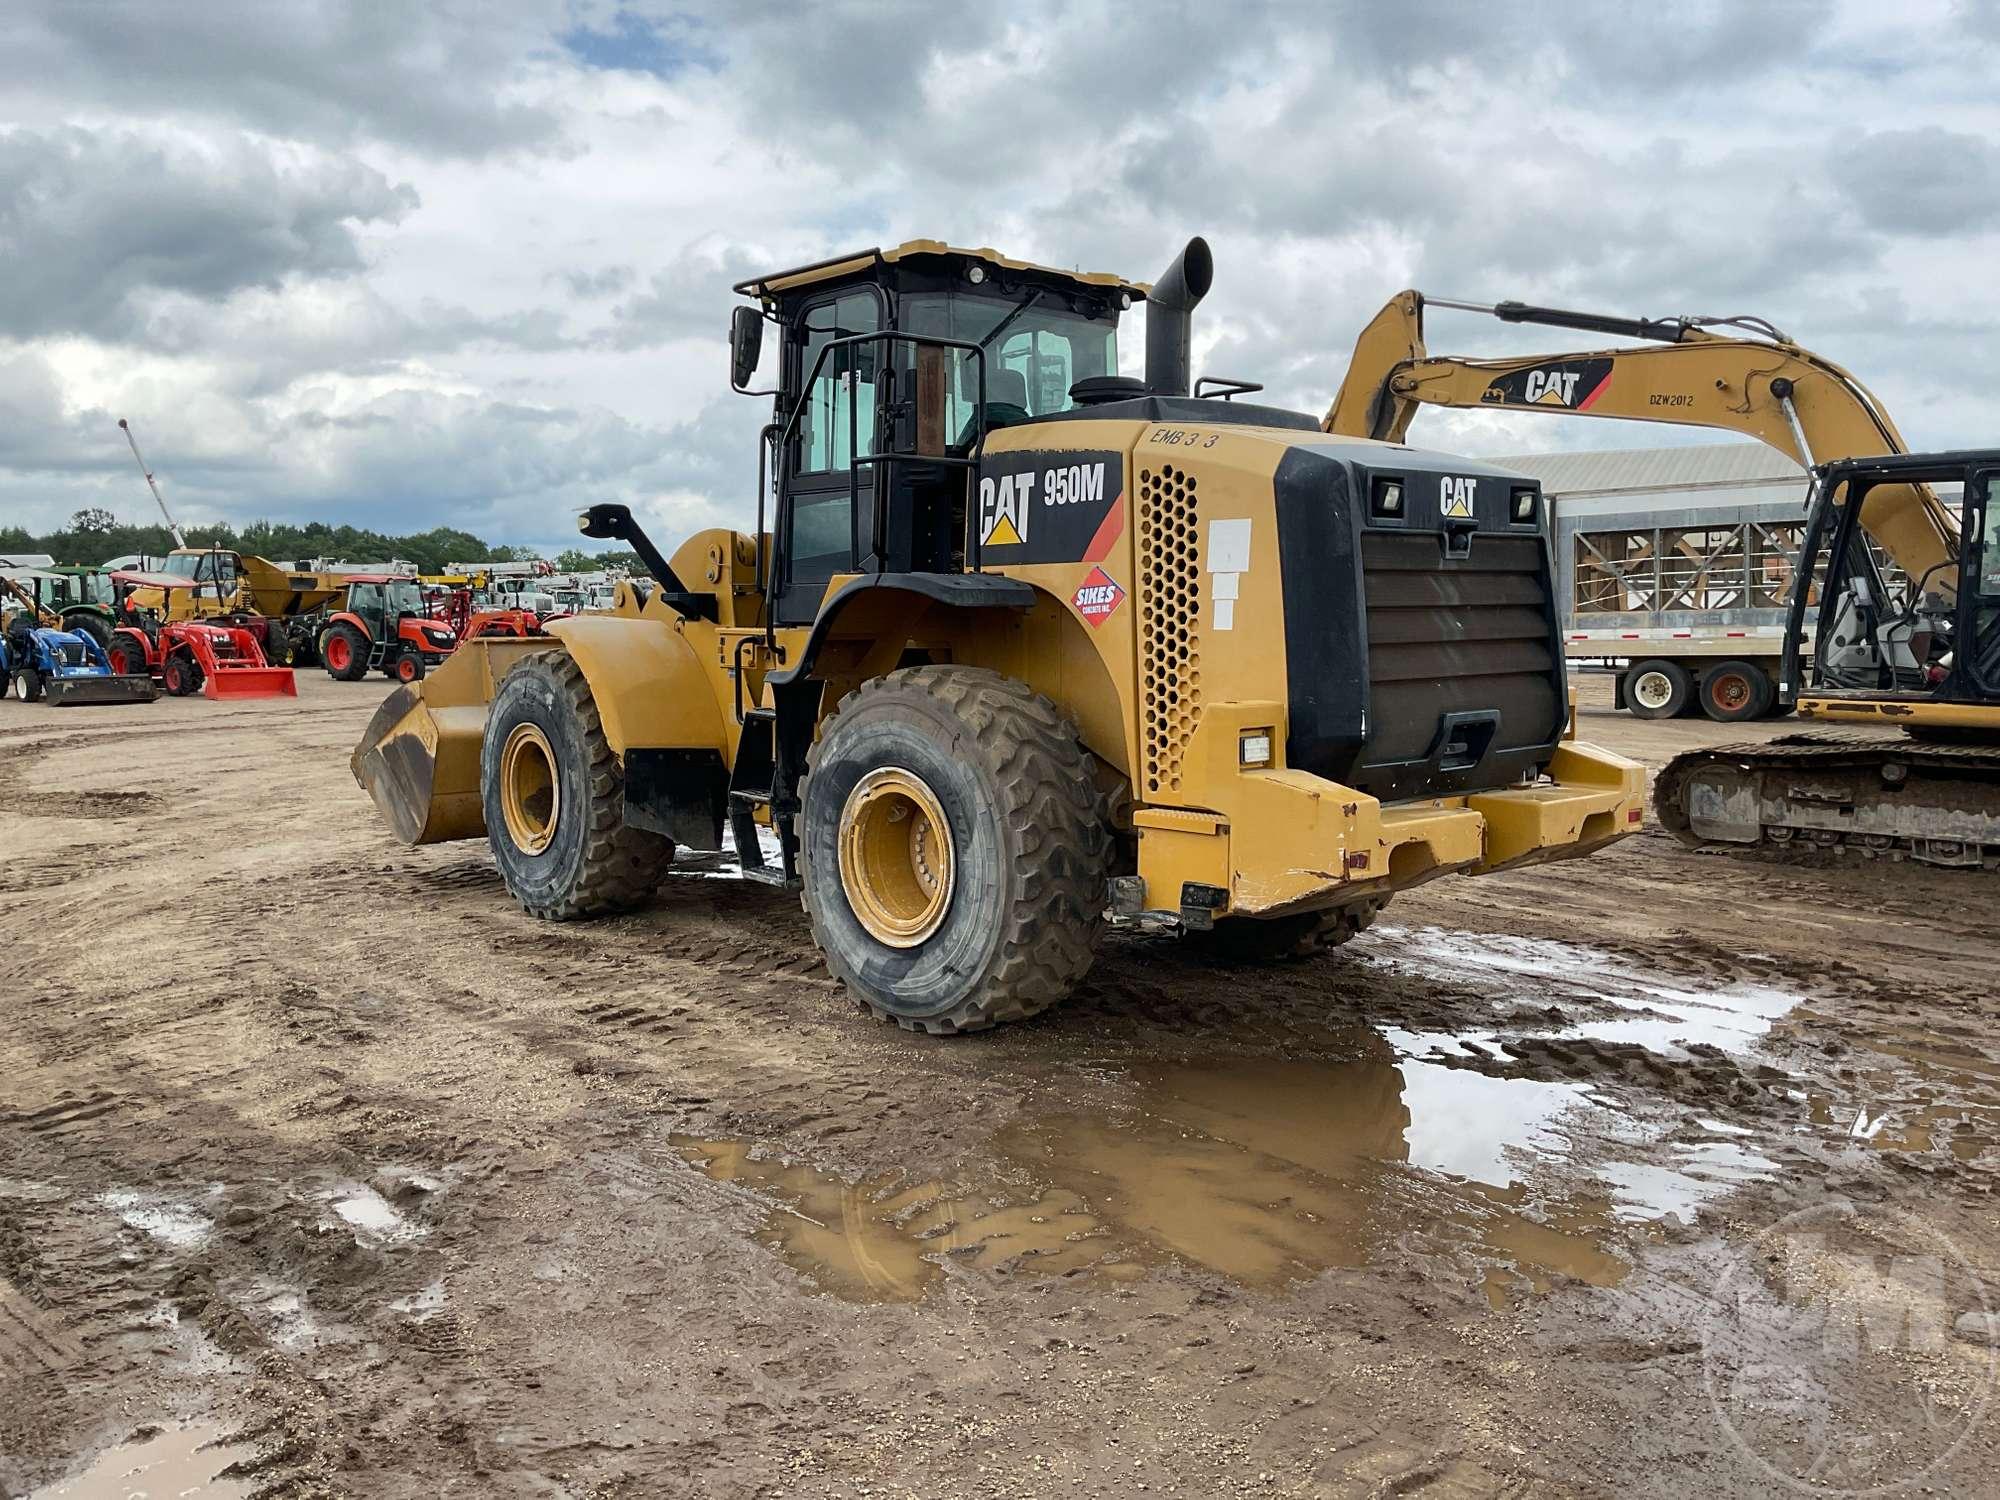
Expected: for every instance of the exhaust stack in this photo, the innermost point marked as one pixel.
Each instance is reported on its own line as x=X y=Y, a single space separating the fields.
x=1169 y=340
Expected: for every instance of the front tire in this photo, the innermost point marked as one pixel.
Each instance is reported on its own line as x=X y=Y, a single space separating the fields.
x=988 y=908
x=554 y=797
x=181 y=677
x=27 y=685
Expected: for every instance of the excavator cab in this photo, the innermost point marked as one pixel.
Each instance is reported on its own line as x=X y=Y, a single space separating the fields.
x=1892 y=647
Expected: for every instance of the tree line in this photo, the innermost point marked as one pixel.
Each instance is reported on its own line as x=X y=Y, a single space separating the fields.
x=95 y=536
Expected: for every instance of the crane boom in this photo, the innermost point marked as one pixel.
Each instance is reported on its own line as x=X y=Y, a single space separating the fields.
x=179 y=540
x=1751 y=380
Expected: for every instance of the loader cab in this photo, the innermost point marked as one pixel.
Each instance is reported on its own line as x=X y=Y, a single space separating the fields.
x=1882 y=634
x=892 y=367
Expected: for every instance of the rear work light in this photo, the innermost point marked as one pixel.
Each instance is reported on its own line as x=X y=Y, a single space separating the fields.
x=1524 y=506
x=1387 y=499
x=1254 y=748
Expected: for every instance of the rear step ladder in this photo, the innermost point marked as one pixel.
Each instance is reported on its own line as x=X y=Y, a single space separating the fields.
x=753 y=784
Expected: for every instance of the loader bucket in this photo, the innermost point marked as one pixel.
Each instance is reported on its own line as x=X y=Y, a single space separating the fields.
x=250 y=682
x=63 y=692
x=419 y=756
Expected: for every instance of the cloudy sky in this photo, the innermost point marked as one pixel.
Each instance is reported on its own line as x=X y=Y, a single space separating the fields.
x=468 y=262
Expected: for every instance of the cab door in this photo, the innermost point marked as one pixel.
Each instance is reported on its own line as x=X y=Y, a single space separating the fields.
x=1979 y=589
x=837 y=415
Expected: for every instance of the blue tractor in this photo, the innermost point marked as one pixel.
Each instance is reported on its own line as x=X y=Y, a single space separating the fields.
x=40 y=660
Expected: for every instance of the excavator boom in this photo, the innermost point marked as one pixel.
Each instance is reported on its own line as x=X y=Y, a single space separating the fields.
x=1751 y=380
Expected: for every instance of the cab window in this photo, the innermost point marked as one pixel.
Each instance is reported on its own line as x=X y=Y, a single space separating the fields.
x=840 y=407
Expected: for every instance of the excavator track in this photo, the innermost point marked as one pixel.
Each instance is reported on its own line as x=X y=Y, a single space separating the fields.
x=1887 y=797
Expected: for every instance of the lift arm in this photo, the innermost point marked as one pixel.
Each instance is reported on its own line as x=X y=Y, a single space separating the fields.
x=1751 y=380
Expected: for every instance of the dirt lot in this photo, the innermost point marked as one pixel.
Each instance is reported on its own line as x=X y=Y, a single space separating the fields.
x=323 y=1170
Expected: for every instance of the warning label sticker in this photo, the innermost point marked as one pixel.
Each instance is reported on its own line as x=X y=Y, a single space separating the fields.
x=1098 y=597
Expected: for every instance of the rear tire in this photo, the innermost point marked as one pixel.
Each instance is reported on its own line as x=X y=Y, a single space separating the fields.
x=1658 y=689
x=1735 y=691
x=1027 y=855
x=127 y=658
x=92 y=625
x=345 y=652
x=1253 y=940
x=554 y=796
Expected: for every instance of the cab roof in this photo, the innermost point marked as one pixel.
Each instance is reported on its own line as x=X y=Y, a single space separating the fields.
x=779 y=282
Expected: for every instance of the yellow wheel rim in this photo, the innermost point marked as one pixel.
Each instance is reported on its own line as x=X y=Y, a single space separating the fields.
x=530 y=799
x=896 y=857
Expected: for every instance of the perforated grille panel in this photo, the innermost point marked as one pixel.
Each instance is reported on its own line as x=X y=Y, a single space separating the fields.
x=1169 y=619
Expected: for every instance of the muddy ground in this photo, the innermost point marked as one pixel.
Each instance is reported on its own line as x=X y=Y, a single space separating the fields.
x=325 y=1171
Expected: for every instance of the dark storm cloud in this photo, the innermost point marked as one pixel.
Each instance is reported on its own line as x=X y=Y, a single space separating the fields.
x=429 y=76
x=90 y=219
x=1923 y=181
x=690 y=298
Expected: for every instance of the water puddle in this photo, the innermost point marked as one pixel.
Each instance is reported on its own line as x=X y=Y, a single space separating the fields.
x=1266 y=1171
x=1659 y=1014
x=162 y=1219
x=373 y=1218
x=182 y=1462
x=878 y=1241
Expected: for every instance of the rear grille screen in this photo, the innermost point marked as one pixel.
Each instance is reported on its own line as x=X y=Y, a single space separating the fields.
x=1461 y=636
x=1169 y=621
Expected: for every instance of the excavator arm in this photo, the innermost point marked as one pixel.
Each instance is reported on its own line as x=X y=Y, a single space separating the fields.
x=1751 y=380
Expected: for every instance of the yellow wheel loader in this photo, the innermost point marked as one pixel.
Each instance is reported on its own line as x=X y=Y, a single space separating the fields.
x=1028 y=647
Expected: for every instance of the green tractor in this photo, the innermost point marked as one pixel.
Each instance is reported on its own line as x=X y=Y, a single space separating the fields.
x=81 y=595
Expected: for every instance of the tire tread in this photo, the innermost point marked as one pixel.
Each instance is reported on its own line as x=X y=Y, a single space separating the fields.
x=1060 y=829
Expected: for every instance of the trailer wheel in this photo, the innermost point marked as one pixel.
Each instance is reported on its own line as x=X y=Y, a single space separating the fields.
x=181 y=675
x=345 y=652
x=1254 y=940
x=1733 y=691
x=27 y=685
x=955 y=849
x=1658 y=689
x=554 y=797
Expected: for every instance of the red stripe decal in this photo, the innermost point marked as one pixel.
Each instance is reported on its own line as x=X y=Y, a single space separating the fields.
x=1597 y=390
x=1107 y=531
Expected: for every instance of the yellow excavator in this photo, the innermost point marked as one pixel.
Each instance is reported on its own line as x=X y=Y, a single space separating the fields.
x=1025 y=646
x=1916 y=647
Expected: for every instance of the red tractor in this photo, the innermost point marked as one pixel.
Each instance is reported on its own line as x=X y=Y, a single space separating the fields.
x=459 y=608
x=189 y=656
x=382 y=626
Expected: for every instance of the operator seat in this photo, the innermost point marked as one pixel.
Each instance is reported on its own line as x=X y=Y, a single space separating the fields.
x=1006 y=406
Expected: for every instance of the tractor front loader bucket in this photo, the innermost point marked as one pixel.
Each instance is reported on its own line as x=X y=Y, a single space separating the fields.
x=419 y=756
x=232 y=681
x=63 y=692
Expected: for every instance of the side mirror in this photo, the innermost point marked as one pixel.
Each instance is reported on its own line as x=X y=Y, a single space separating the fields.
x=746 y=345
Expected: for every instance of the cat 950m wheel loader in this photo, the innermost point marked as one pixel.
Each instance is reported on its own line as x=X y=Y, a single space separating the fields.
x=1028 y=646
